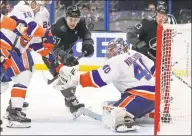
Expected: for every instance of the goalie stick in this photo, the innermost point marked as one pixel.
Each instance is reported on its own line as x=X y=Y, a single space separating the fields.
x=98 y=117
x=50 y=81
x=87 y=112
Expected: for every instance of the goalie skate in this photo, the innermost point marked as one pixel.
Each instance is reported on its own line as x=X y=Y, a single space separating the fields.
x=123 y=128
x=129 y=125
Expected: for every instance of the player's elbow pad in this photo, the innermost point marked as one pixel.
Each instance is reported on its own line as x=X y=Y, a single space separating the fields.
x=139 y=46
x=132 y=36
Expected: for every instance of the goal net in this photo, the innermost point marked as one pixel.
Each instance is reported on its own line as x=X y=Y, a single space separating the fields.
x=173 y=80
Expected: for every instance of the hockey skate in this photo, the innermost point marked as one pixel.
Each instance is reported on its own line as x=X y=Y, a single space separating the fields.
x=17 y=120
x=129 y=125
x=1 y=129
x=73 y=105
x=25 y=105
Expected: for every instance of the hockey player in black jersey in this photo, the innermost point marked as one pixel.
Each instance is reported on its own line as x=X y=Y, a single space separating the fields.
x=66 y=31
x=143 y=35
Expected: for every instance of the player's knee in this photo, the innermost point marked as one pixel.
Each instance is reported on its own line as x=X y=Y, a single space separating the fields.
x=23 y=78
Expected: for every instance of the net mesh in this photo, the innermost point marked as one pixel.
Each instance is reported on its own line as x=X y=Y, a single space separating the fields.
x=175 y=80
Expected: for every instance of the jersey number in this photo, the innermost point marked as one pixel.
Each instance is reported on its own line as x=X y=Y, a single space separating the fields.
x=141 y=72
x=45 y=24
x=56 y=40
x=27 y=14
x=138 y=26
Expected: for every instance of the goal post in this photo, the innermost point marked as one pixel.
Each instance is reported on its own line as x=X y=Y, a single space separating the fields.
x=173 y=89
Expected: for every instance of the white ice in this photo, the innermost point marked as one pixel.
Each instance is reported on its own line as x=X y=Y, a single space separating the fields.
x=50 y=116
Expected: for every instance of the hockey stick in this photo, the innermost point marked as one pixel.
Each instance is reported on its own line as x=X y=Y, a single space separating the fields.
x=13 y=47
x=178 y=77
x=183 y=81
x=48 y=65
x=87 y=112
x=50 y=81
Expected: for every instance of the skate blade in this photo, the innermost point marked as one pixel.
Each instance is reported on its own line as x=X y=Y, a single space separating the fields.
x=77 y=114
x=15 y=124
x=6 y=115
x=124 y=129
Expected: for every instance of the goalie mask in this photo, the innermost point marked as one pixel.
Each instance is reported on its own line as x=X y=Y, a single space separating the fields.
x=116 y=47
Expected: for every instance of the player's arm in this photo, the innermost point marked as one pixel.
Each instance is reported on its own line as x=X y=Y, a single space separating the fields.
x=85 y=35
x=135 y=34
x=44 y=47
x=7 y=23
x=58 y=49
x=101 y=77
x=69 y=77
x=33 y=29
x=17 y=26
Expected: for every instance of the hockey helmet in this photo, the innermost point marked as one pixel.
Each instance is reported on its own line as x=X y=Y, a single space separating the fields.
x=116 y=47
x=162 y=8
x=43 y=2
x=73 y=11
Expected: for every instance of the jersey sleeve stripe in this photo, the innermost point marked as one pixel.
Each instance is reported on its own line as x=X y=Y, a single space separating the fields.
x=39 y=31
x=8 y=23
x=97 y=78
x=5 y=39
x=86 y=80
x=32 y=27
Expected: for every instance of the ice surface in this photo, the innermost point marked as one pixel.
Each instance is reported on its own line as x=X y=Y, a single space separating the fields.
x=50 y=116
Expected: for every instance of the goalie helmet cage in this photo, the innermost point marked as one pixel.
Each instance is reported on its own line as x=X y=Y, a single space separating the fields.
x=173 y=80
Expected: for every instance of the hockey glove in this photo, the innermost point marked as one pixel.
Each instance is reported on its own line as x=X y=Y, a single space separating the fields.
x=21 y=26
x=68 y=77
x=140 y=47
x=87 y=48
x=48 y=37
x=67 y=59
x=5 y=62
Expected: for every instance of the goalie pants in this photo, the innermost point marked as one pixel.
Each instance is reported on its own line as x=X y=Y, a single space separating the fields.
x=136 y=105
x=20 y=73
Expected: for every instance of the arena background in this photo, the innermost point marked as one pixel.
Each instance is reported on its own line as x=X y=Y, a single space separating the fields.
x=108 y=19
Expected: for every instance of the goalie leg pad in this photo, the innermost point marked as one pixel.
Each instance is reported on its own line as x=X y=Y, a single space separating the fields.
x=118 y=119
x=135 y=105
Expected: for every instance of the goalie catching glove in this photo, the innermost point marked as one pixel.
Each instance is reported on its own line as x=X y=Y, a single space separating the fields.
x=68 y=77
